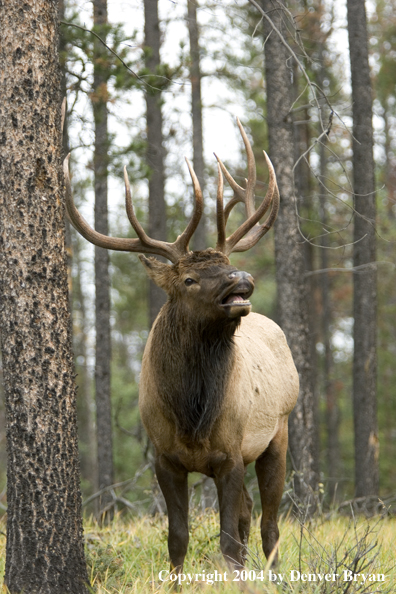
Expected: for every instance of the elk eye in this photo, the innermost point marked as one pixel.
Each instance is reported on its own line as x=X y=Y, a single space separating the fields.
x=189 y=281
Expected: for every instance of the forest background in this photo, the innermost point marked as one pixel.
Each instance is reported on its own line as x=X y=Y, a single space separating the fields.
x=232 y=85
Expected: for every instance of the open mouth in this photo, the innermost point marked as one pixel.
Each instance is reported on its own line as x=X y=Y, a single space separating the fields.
x=235 y=299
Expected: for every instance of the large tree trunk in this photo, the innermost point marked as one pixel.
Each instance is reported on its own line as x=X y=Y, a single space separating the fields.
x=65 y=147
x=45 y=551
x=102 y=280
x=293 y=297
x=199 y=238
x=365 y=278
x=155 y=150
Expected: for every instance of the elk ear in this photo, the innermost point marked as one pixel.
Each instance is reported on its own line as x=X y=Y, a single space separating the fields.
x=159 y=272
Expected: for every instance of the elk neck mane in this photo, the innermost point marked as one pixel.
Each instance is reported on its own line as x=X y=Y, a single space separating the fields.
x=193 y=360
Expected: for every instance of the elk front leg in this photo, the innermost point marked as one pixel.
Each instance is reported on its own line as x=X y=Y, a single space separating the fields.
x=271 y=472
x=230 y=493
x=245 y=517
x=172 y=479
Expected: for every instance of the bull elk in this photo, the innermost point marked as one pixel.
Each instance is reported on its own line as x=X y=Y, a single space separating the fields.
x=217 y=382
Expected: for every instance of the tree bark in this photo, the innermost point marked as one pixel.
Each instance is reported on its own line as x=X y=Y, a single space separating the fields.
x=364 y=253
x=293 y=297
x=102 y=279
x=155 y=154
x=44 y=551
x=65 y=149
x=199 y=238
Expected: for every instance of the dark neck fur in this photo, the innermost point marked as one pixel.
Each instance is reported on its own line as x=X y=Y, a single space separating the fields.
x=192 y=362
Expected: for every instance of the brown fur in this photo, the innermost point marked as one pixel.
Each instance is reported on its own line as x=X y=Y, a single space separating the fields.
x=217 y=386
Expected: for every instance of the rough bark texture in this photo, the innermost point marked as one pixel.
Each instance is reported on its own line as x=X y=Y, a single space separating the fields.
x=102 y=280
x=365 y=279
x=44 y=529
x=155 y=149
x=65 y=147
x=293 y=297
x=199 y=238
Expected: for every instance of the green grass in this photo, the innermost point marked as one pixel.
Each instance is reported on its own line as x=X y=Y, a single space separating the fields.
x=128 y=556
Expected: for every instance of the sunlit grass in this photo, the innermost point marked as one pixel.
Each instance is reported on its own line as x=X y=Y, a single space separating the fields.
x=128 y=556
x=140 y=554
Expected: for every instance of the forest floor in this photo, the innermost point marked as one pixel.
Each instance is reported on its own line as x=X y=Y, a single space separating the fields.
x=131 y=556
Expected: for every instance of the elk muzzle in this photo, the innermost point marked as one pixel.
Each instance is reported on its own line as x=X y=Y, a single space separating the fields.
x=236 y=302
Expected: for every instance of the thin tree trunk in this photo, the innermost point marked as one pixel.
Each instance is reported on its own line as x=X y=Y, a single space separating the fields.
x=364 y=253
x=389 y=169
x=332 y=416
x=293 y=297
x=155 y=149
x=87 y=427
x=102 y=280
x=332 y=408
x=302 y=185
x=208 y=497
x=199 y=238
x=45 y=552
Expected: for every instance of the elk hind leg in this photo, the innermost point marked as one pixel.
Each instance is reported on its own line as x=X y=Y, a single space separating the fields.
x=271 y=472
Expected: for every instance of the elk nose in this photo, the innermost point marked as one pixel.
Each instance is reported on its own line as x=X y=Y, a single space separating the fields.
x=240 y=275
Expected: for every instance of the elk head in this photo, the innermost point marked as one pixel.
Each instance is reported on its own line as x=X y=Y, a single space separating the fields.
x=206 y=277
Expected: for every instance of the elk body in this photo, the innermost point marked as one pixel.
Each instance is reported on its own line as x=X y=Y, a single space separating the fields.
x=217 y=382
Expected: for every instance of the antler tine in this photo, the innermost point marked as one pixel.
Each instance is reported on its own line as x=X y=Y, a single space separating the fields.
x=184 y=239
x=154 y=246
x=240 y=194
x=248 y=242
x=238 y=190
x=221 y=222
x=251 y=181
x=144 y=238
x=235 y=243
x=143 y=244
x=229 y=207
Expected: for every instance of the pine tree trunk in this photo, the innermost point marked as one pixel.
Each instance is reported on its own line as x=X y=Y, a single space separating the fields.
x=364 y=253
x=332 y=408
x=332 y=414
x=155 y=150
x=102 y=280
x=303 y=191
x=293 y=296
x=3 y=455
x=86 y=425
x=44 y=551
x=65 y=147
x=199 y=238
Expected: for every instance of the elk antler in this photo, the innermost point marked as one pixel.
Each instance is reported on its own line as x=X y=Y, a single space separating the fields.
x=172 y=251
x=237 y=242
